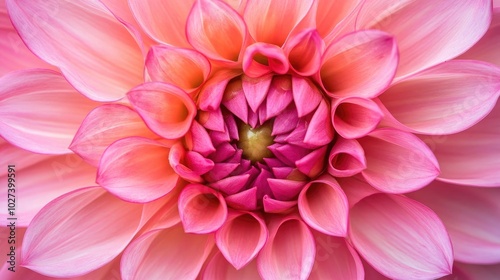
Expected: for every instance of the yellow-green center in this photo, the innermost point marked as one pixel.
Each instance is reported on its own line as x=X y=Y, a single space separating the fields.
x=254 y=141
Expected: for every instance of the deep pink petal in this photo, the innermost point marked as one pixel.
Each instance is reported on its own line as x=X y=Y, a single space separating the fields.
x=355 y=117
x=356 y=188
x=445 y=99
x=289 y=252
x=348 y=64
x=166 y=109
x=79 y=232
x=483 y=272
x=202 y=209
x=262 y=58
x=397 y=161
x=241 y=238
x=319 y=130
x=470 y=157
x=136 y=169
x=256 y=90
x=471 y=218
x=346 y=158
x=40 y=111
x=400 y=237
x=306 y=95
x=323 y=206
x=427 y=32
x=216 y=30
x=168 y=254
x=304 y=52
x=94 y=51
x=219 y=268
x=104 y=125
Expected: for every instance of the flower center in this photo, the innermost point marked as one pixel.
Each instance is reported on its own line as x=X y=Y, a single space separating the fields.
x=254 y=142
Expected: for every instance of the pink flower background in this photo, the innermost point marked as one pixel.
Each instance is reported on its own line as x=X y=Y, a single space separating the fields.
x=211 y=139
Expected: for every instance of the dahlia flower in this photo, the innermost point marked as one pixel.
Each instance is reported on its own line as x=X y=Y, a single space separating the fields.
x=234 y=139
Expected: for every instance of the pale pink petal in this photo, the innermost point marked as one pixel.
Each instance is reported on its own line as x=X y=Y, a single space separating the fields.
x=427 y=32
x=262 y=58
x=241 y=238
x=330 y=13
x=219 y=268
x=202 y=209
x=136 y=169
x=166 y=254
x=349 y=63
x=445 y=99
x=212 y=92
x=400 y=237
x=13 y=52
x=470 y=157
x=289 y=252
x=304 y=52
x=372 y=274
x=256 y=90
x=397 y=162
x=216 y=30
x=356 y=188
x=471 y=218
x=170 y=29
x=487 y=48
x=40 y=111
x=355 y=117
x=335 y=259
x=166 y=109
x=483 y=272
x=79 y=232
x=165 y=212
x=94 y=51
x=41 y=178
x=272 y=21
x=104 y=125
x=187 y=69
x=346 y=158
x=323 y=206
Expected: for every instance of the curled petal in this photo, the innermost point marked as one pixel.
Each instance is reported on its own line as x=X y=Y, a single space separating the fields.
x=470 y=216
x=323 y=206
x=216 y=30
x=136 y=169
x=189 y=165
x=146 y=256
x=103 y=65
x=306 y=94
x=348 y=64
x=355 y=117
x=219 y=268
x=289 y=252
x=277 y=206
x=59 y=110
x=79 y=232
x=262 y=58
x=96 y=132
x=166 y=109
x=400 y=237
x=444 y=30
x=445 y=99
x=202 y=209
x=312 y=164
x=241 y=238
x=346 y=158
x=184 y=68
x=397 y=161
x=304 y=52
x=319 y=131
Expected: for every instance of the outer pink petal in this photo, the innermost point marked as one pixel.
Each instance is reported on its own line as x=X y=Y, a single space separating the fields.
x=40 y=111
x=487 y=48
x=427 y=32
x=400 y=237
x=158 y=19
x=187 y=69
x=136 y=169
x=330 y=13
x=216 y=30
x=397 y=161
x=471 y=217
x=470 y=157
x=335 y=259
x=202 y=209
x=41 y=178
x=272 y=21
x=348 y=64
x=166 y=109
x=304 y=52
x=445 y=99
x=94 y=51
x=241 y=238
x=289 y=252
x=323 y=206
x=166 y=254
x=346 y=158
x=104 y=125
x=219 y=268
x=79 y=232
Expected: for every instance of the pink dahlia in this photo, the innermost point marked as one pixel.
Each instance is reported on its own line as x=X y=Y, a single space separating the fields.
x=210 y=139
